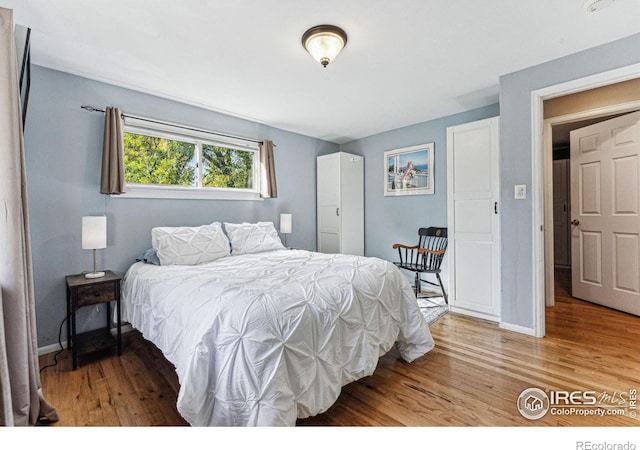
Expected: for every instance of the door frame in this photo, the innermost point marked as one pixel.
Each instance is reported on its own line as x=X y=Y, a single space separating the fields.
x=543 y=282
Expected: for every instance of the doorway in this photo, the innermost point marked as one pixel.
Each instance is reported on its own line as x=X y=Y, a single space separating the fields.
x=543 y=273
x=560 y=195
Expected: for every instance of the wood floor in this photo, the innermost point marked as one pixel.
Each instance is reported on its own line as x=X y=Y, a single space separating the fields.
x=473 y=377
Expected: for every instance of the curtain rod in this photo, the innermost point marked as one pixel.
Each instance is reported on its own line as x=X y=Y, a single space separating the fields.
x=94 y=109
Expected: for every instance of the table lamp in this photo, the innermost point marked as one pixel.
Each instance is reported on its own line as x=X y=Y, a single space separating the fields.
x=94 y=236
x=285 y=226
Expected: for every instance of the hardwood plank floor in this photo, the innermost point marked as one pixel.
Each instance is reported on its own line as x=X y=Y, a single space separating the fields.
x=473 y=377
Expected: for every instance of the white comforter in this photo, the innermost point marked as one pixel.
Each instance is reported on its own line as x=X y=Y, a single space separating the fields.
x=266 y=338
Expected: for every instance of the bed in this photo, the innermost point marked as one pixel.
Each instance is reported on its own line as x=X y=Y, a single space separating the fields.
x=261 y=335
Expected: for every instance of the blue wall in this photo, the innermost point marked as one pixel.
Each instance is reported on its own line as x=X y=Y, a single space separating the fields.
x=63 y=145
x=517 y=221
x=396 y=219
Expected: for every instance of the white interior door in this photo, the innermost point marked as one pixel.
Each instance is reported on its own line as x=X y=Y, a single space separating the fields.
x=473 y=207
x=605 y=212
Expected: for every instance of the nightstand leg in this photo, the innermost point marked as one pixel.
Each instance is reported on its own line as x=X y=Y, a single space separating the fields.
x=109 y=316
x=74 y=347
x=119 y=326
x=68 y=318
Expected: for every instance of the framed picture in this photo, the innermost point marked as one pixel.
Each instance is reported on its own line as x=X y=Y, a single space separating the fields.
x=409 y=170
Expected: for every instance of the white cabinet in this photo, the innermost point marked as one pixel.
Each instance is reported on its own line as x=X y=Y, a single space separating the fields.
x=340 y=203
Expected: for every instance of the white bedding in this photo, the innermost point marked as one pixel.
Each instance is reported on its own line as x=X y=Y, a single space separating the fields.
x=262 y=339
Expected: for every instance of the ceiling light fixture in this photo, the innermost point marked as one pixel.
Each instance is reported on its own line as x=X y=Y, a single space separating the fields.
x=324 y=42
x=596 y=5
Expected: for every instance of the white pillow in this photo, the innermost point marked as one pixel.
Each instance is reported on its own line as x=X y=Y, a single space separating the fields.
x=190 y=245
x=253 y=237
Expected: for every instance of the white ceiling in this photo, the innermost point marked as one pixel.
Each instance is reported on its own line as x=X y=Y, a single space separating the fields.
x=406 y=61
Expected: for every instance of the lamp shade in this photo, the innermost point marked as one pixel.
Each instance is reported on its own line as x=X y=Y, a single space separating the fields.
x=285 y=223
x=94 y=232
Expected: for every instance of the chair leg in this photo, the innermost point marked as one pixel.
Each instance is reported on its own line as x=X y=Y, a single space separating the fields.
x=416 y=285
x=444 y=294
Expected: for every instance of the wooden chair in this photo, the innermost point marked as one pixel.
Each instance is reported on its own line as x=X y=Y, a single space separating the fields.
x=426 y=257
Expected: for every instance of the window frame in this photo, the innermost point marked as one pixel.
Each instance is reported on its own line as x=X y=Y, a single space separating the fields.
x=198 y=138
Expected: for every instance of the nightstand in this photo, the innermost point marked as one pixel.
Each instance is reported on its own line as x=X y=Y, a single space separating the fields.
x=82 y=292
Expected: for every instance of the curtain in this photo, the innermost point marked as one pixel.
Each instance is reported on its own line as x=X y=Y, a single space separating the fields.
x=112 y=179
x=21 y=398
x=268 y=188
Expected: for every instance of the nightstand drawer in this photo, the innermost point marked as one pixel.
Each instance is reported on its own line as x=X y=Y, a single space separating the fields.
x=97 y=293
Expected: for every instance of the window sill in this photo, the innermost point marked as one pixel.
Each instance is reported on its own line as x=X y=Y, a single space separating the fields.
x=186 y=193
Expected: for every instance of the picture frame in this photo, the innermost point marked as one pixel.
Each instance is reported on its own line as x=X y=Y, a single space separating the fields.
x=409 y=170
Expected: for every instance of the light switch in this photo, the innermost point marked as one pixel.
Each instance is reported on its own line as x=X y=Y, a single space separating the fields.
x=520 y=191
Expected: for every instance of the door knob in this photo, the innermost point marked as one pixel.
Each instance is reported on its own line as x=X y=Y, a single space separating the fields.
x=575 y=222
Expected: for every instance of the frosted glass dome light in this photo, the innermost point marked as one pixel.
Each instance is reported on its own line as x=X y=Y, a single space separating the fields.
x=324 y=42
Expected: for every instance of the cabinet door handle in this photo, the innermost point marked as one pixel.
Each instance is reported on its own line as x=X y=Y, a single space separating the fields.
x=495 y=208
x=338 y=212
x=575 y=222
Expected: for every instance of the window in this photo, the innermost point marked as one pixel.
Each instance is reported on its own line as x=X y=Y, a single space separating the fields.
x=173 y=162
x=225 y=167
x=154 y=160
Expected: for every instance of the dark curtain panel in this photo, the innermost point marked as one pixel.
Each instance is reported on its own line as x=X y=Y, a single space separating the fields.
x=112 y=179
x=268 y=188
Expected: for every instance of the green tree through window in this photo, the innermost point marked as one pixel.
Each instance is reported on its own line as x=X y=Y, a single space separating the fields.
x=170 y=161
x=160 y=161
x=226 y=167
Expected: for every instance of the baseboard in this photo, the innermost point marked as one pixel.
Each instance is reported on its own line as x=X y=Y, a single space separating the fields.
x=471 y=313
x=518 y=329
x=56 y=347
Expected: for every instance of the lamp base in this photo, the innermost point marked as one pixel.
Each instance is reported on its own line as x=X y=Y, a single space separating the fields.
x=94 y=274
